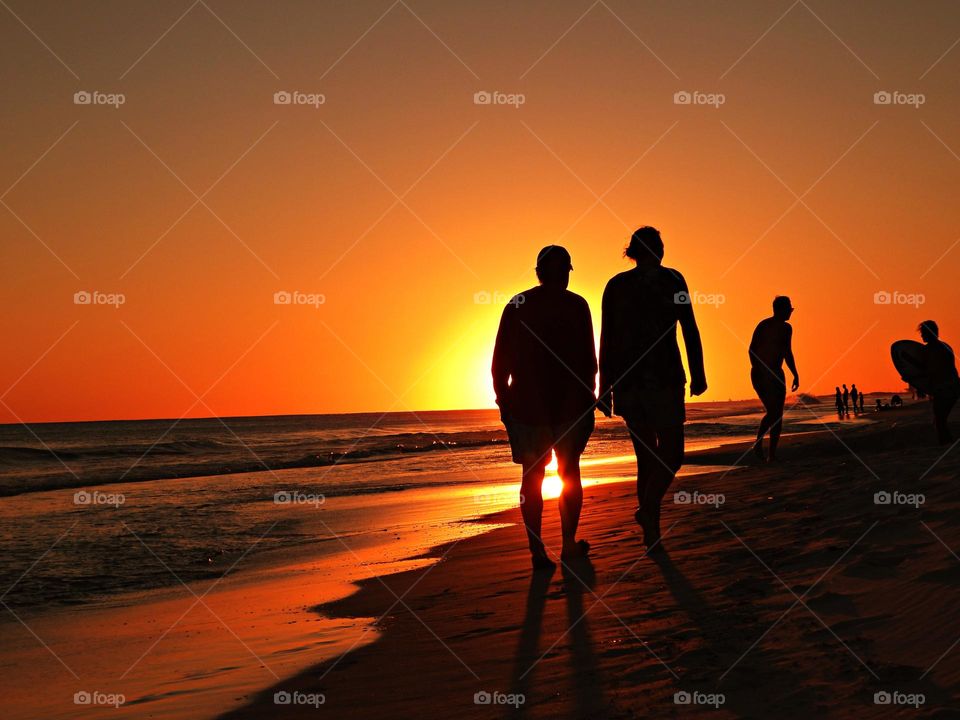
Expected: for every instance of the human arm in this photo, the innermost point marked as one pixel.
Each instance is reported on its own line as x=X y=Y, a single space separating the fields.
x=691 y=339
x=605 y=394
x=791 y=363
x=502 y=365
x=590 y=365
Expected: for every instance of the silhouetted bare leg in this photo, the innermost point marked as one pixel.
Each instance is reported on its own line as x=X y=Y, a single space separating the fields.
x=645 y=448
x=669 y=459
x=776 y=426
x=571 y=503
x=531 y=507
x=761 y=431
x=942 y=405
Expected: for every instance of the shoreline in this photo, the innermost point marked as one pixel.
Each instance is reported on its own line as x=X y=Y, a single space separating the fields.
x=432 y=622
x=143 y=640
x=79 y=478
x=272 y=601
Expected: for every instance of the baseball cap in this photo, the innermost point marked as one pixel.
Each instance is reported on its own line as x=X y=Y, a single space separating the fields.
x=554 y=251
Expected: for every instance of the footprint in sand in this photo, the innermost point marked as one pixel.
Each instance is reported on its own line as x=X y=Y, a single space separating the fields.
x=831 y=603
x=878 y=564
x=747 y=588
x=947 y=576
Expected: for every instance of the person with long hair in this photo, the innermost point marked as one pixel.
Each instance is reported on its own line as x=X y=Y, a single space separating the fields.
x=641 y=372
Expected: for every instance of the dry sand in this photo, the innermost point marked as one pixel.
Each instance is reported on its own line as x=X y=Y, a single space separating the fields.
x=799 y=596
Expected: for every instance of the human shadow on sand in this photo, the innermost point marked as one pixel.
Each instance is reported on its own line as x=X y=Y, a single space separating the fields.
x=579 y=578
x=723 y=638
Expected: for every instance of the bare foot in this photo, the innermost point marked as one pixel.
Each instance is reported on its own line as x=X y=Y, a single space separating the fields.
x=542 y=562
x=650 y=523
x=576 y=551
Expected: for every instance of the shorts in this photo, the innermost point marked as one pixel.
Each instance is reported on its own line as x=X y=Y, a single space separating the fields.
x=651 y=407
x=768 y=384
x=531 y=444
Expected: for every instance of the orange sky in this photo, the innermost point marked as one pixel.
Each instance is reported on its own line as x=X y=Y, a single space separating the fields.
x=315 y=199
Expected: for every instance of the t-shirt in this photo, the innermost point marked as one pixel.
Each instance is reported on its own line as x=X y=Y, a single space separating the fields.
x=545 y=350
x=638 y=344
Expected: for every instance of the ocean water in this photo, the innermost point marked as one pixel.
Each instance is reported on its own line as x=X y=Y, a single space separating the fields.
x=92 y=511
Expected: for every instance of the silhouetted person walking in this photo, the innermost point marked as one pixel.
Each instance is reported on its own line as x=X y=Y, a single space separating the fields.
x=846 y=400
x=544 y=375
x=770 y=346
x=641 y=373
x=942 y=379
x=862 y=393
x=839 y=401
x=855 y=397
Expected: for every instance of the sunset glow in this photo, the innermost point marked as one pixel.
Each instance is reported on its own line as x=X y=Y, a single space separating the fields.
x=552 y=484
x=298 y=296
x=304 y=199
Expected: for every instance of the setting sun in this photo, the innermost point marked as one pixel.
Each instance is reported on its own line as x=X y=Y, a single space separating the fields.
x=552 y=484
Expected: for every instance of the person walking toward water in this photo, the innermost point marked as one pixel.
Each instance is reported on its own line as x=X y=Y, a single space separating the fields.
x=839 y=401
x=941 y=371
x=544 y=375
x=862 y=393
x=846 y=400
x=855 y=398
x=641 y=372
x=771 y=345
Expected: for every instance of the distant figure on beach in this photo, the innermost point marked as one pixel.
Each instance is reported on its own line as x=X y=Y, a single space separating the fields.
x=544 y=375
x=862 y=393
x=641 y=373
x=855 y=398
x=839 y=401
x=770 y=346
x=941 y=371
x=846 y=400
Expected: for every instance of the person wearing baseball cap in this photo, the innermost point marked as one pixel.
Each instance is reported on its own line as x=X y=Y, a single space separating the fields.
x=544 y=375
x=770 y=346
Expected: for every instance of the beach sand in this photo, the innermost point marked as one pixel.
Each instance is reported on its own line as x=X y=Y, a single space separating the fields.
x=798 y=596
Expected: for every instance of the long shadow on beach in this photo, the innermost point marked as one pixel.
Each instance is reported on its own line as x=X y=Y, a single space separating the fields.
x=721 y=634
x=528 y=648
x=579 y=578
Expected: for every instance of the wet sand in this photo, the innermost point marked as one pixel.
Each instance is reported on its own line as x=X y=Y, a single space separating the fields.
x=798 y=596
